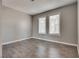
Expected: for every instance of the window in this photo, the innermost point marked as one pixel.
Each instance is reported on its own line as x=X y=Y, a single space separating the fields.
x=42 y=25
x=54 y=24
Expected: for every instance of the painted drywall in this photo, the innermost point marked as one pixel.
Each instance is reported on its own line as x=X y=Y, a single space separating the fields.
x=0 y=28
x=15 y=25
x=68 y=24
x=78 y=28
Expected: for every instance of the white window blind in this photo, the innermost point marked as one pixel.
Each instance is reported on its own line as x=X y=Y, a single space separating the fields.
x=42 y=25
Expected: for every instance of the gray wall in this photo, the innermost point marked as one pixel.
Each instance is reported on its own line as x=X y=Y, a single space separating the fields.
x=15 y=25
x=0 y=28
x=78 y=27
x=68 y=19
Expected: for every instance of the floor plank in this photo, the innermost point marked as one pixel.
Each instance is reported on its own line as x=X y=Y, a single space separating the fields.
x=34 y=48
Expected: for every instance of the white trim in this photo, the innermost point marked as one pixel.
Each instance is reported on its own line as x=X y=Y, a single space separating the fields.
x=56 y=42
x=40 y=39
x=15 y=41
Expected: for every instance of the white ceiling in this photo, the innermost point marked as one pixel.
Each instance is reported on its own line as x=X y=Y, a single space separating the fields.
x=37 y=6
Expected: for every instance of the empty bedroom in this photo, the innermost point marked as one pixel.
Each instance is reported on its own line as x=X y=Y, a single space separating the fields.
x=39 y=28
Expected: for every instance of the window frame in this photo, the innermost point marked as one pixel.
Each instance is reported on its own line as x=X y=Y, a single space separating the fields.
x=54 y=24
x=45 y=32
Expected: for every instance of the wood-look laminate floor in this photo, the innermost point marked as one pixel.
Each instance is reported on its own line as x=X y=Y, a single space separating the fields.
x=33 y=48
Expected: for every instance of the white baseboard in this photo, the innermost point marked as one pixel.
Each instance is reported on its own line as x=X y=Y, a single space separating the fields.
x=56 y=41
x=15 y=41
x=40 y=39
